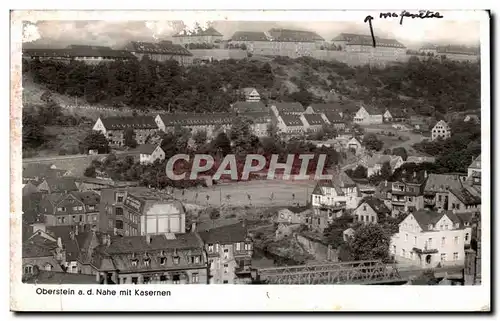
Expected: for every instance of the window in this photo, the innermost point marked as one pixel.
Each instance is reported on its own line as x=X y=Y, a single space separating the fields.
x=364 y=207
x=441 y=226
x=410 y=199
x=195 y=278
x=403 y=253
x=458 y=206
x=238 y=246
x=446 y=227
x=226 y=253
x=443 y=257
x=119 y=224
x=373 y=219
x=226 y=268
x=94 y=218
x=457 y=225
x=466 y=237
x=134 y=262
x=195 y=259
x=225 y=282
x=163 y=278
x=455 y=256
x=61 y=209
x=176 y=279
x=163 y=260
x=91 y=207
x=414 y=240
x=248 y=246
x=147 y=261
x=48 y=267
x=210 y=247
x=455 y=240
x=146 y=280
x=118 y=211
x=176 y=260
x=28 y=269
x=429 y=242
x=134 y=280
x=439 y=198
x=443 y=241
x=75 y=208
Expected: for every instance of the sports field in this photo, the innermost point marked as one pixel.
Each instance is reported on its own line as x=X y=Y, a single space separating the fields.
x=255 y=193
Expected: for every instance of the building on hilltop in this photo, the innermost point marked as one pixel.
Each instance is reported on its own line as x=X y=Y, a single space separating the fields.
x=245 y=107
x=325 y=109
x=290 y=124
x=335 y=120
x=212 y=123
x=161 y=51
x=428 y=239
x=255 y=41
x=84 y=53
x=250 y=94
x=441 y=131
x=342 y=39
x=368 y=115
x=402 y=196
x=113 y=128
x=384 y=47
x=374 y=163
x=259 y=122
x=229 y=251
x=286 y=108
x=37 y=172
x=198 y=36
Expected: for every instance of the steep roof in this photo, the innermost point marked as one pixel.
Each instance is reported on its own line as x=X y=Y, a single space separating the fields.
x=51 y=277
x=324 y=108
x=348 y=36
x=147 y=148
x=292 y=120
x=289 y=35
x=372 y=110
x=198 y=119
x=420 y=159
x=134 y=122
x=79 y=51
x=38 y=246
x=289 y=107
x=139 y=244
x=376 y=204
x=442 y=183
x=334 y=117
x=476 y=163
x=467 y=195
x=249 y=36
x=426 y=217
x=297 y=209
x=63 y=184
x=380 y=42
x=225 y=234
x=314 y=119
x=248 y=106
x=442 y=123
x=375 y=159
x=87 y=197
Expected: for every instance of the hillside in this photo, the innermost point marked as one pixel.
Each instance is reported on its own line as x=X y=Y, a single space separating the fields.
x=429 y=86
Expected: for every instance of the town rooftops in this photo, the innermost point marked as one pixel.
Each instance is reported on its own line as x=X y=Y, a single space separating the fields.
x=375 y=159
x=376 y=204
x=74 y=51
x=199 y=32
x=292 y=120
x=467 y=195
x=348 y=36
x=228 y=234
x=249 y=36
x=324 y=108
x=140 y=244
x=86 y=197
x=41 y=170
x=134 y=122
x=163 y=47
x=288 y=107
x=197 y=119
x=298 y=209
x=334 y=117
x=442 y=183
x=248 y=106
x=443 y=124
x=476 y=163
x=426 y=218
x=314 y=119
x=340 y=180
x=289 y=35
x=372 y=110
x=38 y=246
x=51 y=277
x=147 y=149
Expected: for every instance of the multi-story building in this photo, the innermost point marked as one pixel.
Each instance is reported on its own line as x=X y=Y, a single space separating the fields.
x=250 y=94
x=428 y=238
x=330 y=199
x=383 y=47
x=293 y=215
x=71 y=208
x=211 y=123
x=150 y=153
x=371 y=210
x=198 y=36
x=249 y=107
x=293 y=43
x=113 y=128
x=401 y=197
x=342 y=39
x=84 y=53
x=334 y=119
x=151 y=259
x=229 y=251
x=324 y=109
x=58 y=185
x=140 y=211
x=437 y=187
x=464 y=200
x=373 y=163
x=255 y=41
x=290 y=108
x=259 y=122
x=313 y=122
x=461 y=53
x=37 y=172
x=38 y=253
x=367 y=115
x=441 y=131
x=161 y=51
x=290 y=124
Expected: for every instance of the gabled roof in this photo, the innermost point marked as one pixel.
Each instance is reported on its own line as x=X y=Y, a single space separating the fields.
x=162 y=47
x=425 y=218
x=380 y=42
x=289 y=107
x=289 y=35
x=292 y=120
x=324 y=108
x=51 y=277
x=348 y=36
x=257 y=117
x=63 y=184
x=442 y=183
x=248 y=90
x=147 y=148
x=297 y=209
x=79 y=51
x=372 y=110
x=420 y=159
x=248 y=106
x=334 y=117
x=314 y=119
x=467 y=195
x=38 y=246
x=249 y=36
x=134 y=122
x=443 y=124
x=197 y=119
x=87 y=197
x=476 y=163
x=228 y=234
x=376 y=204
x=380 y=159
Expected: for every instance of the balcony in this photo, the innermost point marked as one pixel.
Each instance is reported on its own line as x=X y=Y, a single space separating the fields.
x=426 y=250
x=332 y=206
x=398 y=201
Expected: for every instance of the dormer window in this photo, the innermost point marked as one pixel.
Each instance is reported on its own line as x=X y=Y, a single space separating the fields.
x=176 y=260
x=134 y=262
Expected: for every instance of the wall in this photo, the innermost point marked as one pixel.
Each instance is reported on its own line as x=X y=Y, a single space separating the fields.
x=219 y=54
x=320 y=251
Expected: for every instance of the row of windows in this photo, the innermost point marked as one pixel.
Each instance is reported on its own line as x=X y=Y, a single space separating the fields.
x=456 y=240
x=366 y=218
x=176 y=279
x=443 y=257
x=28 y=269
x=239 y=246
x=76 y=208
x=76 y=218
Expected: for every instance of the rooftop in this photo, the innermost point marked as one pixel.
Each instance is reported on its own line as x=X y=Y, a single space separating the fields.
x=376 y=204
x=197 y=119
x=314 y=119
x=134 y=122
x=74 y=51
x=292 y=120
x=199 y=32
x=425 y=218
x=442 y=183
x=288 y=107
x=147 y=148
x=163 y=47
x=139 y=244
x=467 y=195
x=249 y=36
x=289 y=35
x=246 y=106
x=476 y=163
x=51 y=277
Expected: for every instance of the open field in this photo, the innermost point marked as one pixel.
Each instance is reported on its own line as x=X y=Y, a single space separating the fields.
x=236 y=194
x=393 y=141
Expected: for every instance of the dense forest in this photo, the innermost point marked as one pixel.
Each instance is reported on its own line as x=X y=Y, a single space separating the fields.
x=430 y=86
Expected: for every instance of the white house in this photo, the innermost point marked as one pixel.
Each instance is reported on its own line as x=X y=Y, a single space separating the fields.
x=313 y=122
x=368 y=116
x=251 y=94
x=441 y=130
x=149 y=153
x=387 y=116
x=427 y=239
x=373 y=163
x=355 y=145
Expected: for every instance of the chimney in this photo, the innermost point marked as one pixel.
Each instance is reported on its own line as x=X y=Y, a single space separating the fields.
x=425 y=173
x=59 y=243
x=193 y=227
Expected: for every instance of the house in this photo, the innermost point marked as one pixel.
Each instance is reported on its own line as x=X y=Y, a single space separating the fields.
x=474 y=167
x=211 y=123
x=466 y=199
x=84 y=53
x=403 y=196
x=229 y=251
x=59 y=278
x=429 y=49
x=29 y=188
x=58 y=185
x=259 y=122
x=285 y=230
x=198 y=36
x=400 y=127
x=39 y=253
x=293 y=43
x=312 y=122
x=371 y=210
x=151 y=259
x=113 y=128
x=293 y=215
x=429 y=239
x=37 y=172
x=373 y=163
x=368 y=116
x=325 y=109
x=420 y=159
x=70 y=208
x=255 y=42
x=331 y=198
x=387 y=116
x=161 y=51
x=250 y=94
x=141 y=211
x=290 y=108
x=437 y=187
x=150 y=153
x=354 y=145
x=249 y=107
x=473 y=118
x=398 y=114
x=290 y=124
x=334 y=119
x=441 y=131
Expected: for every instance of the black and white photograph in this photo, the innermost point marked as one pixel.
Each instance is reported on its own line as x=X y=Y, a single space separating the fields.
x=292 y=150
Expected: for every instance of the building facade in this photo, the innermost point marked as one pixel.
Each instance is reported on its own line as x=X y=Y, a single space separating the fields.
x=441 y=131
x=150 y=153
x=371 y=210
x=198 y=36
x=113 y=128
x=161 y=51
x=368 y=116
x=71 y=208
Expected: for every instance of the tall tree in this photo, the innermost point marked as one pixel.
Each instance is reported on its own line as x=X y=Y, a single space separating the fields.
x=95 y=140
x=372 y=142
x=129 y=138
x=370 y=242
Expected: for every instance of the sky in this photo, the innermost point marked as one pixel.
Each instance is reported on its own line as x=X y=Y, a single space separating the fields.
x=59 y=34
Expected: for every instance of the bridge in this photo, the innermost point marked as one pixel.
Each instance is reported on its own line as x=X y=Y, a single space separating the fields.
x=358 y=272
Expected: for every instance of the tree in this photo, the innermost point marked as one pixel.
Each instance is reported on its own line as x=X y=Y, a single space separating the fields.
x=213 y=213
x=129 y=138
x=400 y=151
x=359 y=172
x=372 y=142
x=200 y=138
x=33 y=131
x=334 y=233
x=370 y=242
x=95 y=140
x=90 y=172
x=385 y=171
x=222 y=144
